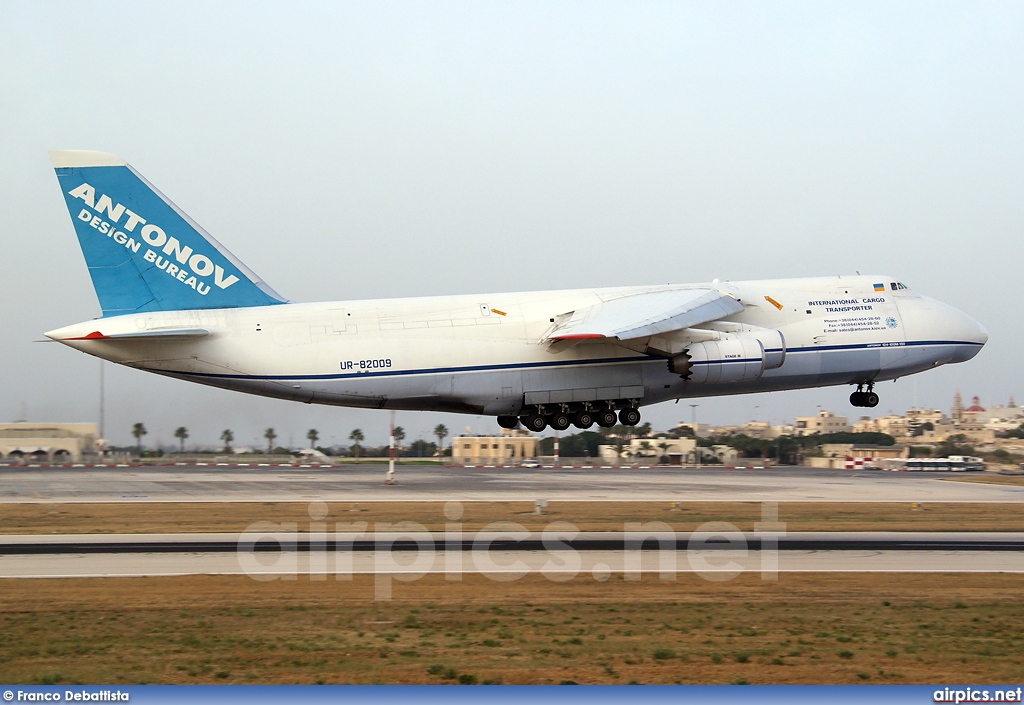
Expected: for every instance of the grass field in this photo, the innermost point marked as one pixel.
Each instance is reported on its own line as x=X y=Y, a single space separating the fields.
x=804 y=628
x=1017 y=480
x=587 y=516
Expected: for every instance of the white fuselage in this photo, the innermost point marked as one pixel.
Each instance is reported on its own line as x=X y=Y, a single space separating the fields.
x=490 y=353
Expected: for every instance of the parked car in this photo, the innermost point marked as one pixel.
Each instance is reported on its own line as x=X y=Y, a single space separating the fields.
x=530 y=463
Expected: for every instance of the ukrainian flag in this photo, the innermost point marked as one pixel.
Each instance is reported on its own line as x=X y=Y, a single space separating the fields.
x=879 y=287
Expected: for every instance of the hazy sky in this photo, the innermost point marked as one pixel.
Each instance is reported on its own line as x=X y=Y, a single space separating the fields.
x=364 y=150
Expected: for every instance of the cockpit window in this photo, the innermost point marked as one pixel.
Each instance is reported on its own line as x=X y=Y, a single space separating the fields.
x=902 y=285
x=892 y=285
x=896 y=286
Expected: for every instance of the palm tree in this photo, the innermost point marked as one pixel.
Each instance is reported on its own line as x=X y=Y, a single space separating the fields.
x=139 y=430
x=181 y=433
x=356 y=437
x=441 y=431
x=664 y=445
x=313 y=437
x=270 y=435
x=227 y=436
x=399 y=434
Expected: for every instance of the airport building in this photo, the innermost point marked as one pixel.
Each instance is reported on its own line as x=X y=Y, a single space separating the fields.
x=677 y=450
x=508 y=447
x=863 y=450
x=47 y=442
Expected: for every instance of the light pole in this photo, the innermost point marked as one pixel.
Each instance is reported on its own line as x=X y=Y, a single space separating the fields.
x=696 y=448
x=389 y=479
x=103 y=410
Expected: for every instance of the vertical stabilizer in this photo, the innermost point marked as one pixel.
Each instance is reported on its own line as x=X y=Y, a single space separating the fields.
x=143 y=252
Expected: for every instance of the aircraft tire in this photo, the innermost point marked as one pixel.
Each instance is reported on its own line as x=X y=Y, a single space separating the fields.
x=583 y=420
x=508 y=422
x=559 y=421
x=629 y=417
x=534 y=422
x=857 y=399
x=870 y=400
x=606 y=418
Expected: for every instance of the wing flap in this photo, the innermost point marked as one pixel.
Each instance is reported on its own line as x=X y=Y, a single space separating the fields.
x=647 y=314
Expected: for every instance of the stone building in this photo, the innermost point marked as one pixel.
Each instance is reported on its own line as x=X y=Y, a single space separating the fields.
x=677 y=450
x=47 y=442
x=509 y=446
x=824 y=422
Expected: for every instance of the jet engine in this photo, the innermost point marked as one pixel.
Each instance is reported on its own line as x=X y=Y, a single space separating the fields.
x=734 y=357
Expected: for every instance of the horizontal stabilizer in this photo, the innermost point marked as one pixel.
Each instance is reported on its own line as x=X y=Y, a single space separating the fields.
x=647 y=314
x=160 y=333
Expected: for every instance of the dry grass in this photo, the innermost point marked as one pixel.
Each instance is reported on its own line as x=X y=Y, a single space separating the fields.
x=805 y=628
x=587 y=516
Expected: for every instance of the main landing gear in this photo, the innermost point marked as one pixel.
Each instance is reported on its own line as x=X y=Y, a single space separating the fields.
x=583 y=418
x=867 y=399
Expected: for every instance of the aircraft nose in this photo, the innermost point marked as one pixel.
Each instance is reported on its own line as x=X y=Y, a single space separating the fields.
x=929 y=322
x=963 y=333
x=971 y=335
x=981 y=335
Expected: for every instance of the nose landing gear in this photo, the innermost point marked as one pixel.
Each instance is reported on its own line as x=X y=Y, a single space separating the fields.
x=866 y=399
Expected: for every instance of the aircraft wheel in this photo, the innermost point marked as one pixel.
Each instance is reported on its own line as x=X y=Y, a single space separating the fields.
x=559 y=421
x=870 y=400
x=534 y=422
x=583 y=419
x=629 y=417
x=857 y=399
x=606 y=418
x=509 y=422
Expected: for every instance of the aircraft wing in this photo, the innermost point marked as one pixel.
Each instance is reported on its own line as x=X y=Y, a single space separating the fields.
x=650 y=313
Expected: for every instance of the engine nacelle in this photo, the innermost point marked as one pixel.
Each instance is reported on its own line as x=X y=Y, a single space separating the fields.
x=774 y=345
x=736 y=357
x=681 y=364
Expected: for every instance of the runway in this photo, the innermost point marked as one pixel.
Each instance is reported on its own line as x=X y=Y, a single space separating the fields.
x=354 y=483
x=271 y=556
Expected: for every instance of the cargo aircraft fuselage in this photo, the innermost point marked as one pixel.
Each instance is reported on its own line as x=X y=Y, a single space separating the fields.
x=176 y=302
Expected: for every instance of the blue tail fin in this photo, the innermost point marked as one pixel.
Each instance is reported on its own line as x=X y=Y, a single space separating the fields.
x=143 y=253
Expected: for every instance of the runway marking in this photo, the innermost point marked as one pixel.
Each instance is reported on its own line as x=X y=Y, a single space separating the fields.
x=31 y=488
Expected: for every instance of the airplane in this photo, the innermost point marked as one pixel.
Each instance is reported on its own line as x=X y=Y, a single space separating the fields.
x=176 y=302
